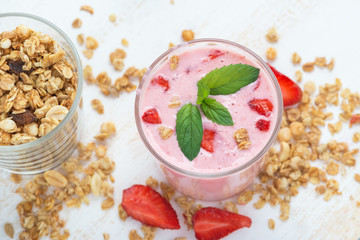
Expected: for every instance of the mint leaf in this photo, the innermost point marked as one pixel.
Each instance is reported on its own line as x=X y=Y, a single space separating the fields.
x=203 y=92
x=189 y=130
x=216 y=112
x=229 y=79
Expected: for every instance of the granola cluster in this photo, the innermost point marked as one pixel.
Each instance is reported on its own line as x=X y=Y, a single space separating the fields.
x=37 y=85
x=45 y=196
x=104 y=82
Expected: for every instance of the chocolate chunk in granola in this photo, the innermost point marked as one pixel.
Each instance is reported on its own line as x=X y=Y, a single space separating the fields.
x=24 y=118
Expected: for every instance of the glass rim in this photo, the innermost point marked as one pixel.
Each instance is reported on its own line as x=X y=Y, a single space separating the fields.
x=72 y=111
x=239 y=168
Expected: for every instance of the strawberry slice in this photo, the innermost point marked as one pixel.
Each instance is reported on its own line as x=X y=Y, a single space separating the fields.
x=291 y=92
x=261 y=106
x=151 y=116
x=263 y=125
x=147 y=206
x=212 y=223
x=207 y=141
x=160 y=80
x=354 y=119
x=214 y=53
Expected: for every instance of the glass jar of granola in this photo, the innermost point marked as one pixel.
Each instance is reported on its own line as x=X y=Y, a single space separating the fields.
x=40 y=94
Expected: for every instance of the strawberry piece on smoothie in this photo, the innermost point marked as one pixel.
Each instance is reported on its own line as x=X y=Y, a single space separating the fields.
x=291 y=92
x=151 y=116
x=354 y=119
x=213 y=223
x=147 y=206
x=261 y=106
x=207 y=142
x=160 y=80
x=215 y=53
x=263 y=125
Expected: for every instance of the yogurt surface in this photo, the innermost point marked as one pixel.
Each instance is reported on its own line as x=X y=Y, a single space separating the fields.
x=192 y=66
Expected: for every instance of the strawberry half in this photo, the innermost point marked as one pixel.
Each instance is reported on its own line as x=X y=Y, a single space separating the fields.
x=151 y=116
x=212 y=223
x=261 y=106
x=160 y=80
x=147 y=206
x=207 y=142
x=291 y=92
x=263 y=125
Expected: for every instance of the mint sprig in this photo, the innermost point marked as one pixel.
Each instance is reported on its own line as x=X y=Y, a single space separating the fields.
x=226 y=80
x=216 y=112
x=189 y=130
x=221 y=81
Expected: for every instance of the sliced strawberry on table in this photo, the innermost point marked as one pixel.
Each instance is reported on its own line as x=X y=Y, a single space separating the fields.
x=354 y=119
x=147 y=206
x=212 y=223
x=261 y=106
x=291 y=92
x=160 y=80
x=207 y=142
x=151 y=116
x=263 y=125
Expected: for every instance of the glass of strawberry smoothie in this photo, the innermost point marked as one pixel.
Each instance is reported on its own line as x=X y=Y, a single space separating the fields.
x=230 y=156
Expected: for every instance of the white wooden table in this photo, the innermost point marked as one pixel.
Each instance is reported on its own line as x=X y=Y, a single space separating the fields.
x=312 y=28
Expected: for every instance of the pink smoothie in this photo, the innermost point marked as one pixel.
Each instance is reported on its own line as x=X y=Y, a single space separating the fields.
x=193 y=65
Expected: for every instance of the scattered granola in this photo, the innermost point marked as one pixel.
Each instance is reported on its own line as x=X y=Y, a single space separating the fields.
x=272 y=35
x=189 y=208
x=35 y=76
x=97 y=106
x=308 y=67
x=320 y=61
x=9 y=230
x=296 y=59
x=88 y=53
x=106 y=130
x=125 y=42
x=241 y=137
x=171 y=45
x=77 y=23
x=88 y=74
x=152 y=182
x=271 y=224
x=122 y=213
x=45 y=195
x=271 y=53
x=167 y=191
x=87 y=8
x=231 y=207
x=112 y=18
x=298 y=76
x=117 y=59
x=285 y=171
x=91 y=43
x=357 y=177
x=80 y=39
x=187 y=35
x=106 y=236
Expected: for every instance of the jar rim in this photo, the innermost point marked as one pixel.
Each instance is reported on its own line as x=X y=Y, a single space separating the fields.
x=231 y=171
x=72 y=111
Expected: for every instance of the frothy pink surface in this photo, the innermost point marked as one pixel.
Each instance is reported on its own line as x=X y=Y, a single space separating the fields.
x=194 y=65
